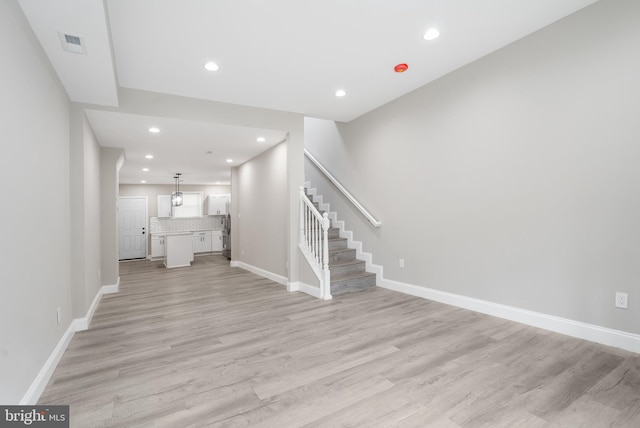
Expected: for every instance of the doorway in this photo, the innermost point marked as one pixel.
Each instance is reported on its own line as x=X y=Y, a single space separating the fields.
x=132 y=227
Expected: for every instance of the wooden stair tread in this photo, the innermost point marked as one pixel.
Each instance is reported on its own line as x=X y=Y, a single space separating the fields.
x=351 y=276
x=338 y=263
x=340 y=250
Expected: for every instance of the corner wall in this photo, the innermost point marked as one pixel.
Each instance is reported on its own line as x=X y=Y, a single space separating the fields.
x=261 y=212
x=513 y=180
x=35 y=245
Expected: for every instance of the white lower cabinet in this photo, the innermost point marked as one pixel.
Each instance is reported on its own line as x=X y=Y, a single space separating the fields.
x=216 y=240
x=157 y=246
x=202 y=242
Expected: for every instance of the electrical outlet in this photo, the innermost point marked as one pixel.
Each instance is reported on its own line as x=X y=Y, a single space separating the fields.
x=622 y=300
x=401 y=263
x=58 y=316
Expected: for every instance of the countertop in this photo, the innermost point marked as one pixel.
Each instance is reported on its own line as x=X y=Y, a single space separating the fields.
x=184 y=232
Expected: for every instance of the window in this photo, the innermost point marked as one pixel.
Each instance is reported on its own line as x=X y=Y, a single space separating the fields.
x=191 y=205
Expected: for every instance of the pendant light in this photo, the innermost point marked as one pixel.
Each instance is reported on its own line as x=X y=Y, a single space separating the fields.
x=176 y=198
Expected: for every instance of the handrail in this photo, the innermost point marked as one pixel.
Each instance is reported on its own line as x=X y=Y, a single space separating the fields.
x=344 y=191
x=314 y=242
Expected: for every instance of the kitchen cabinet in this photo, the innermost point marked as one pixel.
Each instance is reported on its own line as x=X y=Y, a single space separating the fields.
x=164 y=205
x=178 y=249
x=157 y=246
x=217 y=204
x=216 y=240
x=202 y=242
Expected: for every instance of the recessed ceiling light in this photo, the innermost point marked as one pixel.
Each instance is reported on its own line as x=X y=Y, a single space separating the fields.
x=340 y=93
x=142 y=181
x=154 y=130
x=145 y=169
x=211 y=66
x=149 y=156
x=431 y=34
x=229 y=160
x=261 y=139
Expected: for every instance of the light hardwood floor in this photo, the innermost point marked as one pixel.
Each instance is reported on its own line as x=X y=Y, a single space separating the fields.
x=212 y=345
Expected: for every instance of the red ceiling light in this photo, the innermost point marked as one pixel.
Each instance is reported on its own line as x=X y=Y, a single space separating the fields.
x=400 y=68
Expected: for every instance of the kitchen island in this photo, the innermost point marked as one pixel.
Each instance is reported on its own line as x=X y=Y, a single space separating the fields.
x=178 y=249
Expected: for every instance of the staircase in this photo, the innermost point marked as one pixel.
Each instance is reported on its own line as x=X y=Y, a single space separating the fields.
x=347 y=272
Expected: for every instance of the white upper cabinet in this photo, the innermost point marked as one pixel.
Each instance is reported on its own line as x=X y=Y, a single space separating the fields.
x=217 y=205
x=164 y=205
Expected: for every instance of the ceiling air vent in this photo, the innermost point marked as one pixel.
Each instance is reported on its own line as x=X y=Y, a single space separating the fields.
x=72 y=43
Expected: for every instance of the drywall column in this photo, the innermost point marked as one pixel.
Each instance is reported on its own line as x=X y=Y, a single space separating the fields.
x=295 y=165
x=110 y=162
x=85 y=212
x=235 y=232
x=76 y=212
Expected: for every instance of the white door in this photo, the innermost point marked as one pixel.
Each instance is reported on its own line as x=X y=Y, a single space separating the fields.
x=132 y=223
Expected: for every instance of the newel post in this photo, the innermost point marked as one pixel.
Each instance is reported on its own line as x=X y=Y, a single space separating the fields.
x=326 y=292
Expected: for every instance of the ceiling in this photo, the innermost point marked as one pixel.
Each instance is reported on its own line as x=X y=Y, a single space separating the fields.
x=286 y=55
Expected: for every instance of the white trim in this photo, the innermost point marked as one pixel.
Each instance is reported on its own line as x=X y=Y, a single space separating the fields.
x=293 y=286
x=111 y=289
x=307 y=289
x=83 y=323
x=40 y=382
x=580 y=330
x=264 y=273
x=38 y=385
x=234 y=263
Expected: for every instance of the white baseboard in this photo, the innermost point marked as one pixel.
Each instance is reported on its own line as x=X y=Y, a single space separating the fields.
x=264 y=273
x=40 y=382
x=233 y=263
x=577 y=329
x=306 y=288
x=38 y=385
x=83 y=323
x=111 y=289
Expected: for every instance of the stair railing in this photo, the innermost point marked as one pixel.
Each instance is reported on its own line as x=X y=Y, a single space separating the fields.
x=314 y=242
x=344 y=191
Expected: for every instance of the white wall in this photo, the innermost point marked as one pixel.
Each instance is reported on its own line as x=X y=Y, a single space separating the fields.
x=85 y=213
x=513 y=180
x=92 y=216
x=35 y=246
x=261 y=220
